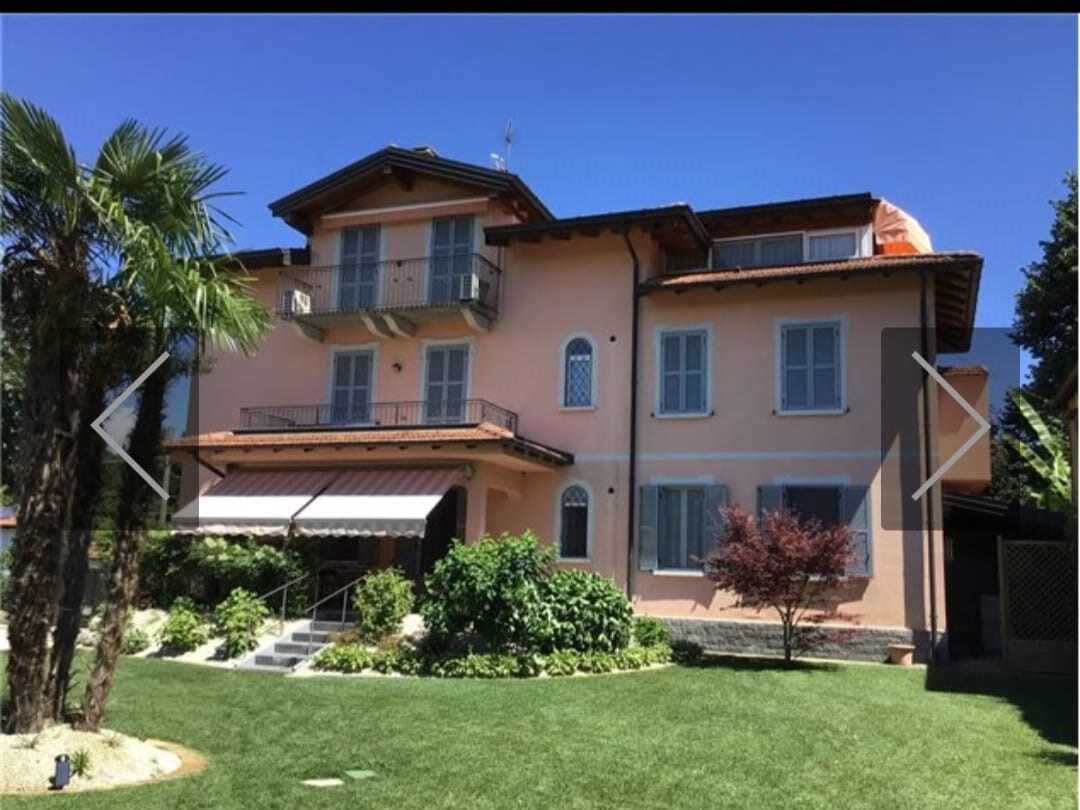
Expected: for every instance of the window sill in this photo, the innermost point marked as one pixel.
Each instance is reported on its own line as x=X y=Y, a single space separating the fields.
x=577 y=408
x=829 y=412
x=678 y=572
x=576 y=560
x=695 y=415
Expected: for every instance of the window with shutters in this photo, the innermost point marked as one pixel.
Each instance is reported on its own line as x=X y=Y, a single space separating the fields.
x=574 y=522
x=811 y=368
x=358 y=275
x=829 y=503
x=350 y=389
x=682 y=365
x=678 y=525
x=578 y=373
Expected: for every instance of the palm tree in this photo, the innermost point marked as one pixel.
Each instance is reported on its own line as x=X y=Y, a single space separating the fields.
x=136 y=222
x=53 y=256
x=189 y=298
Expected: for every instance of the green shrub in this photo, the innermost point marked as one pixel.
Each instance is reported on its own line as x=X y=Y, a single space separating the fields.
x=649 y=631
x=239 y=619
x=382 y=600
x=562 y=662
x=491 y=589
x=399 y=658
x=473 y=665
x=135 y=640
x=632 y=658
x=529 y=665
x=597 y=662
x=657 y=653
x=209 y=568
x=588 y=612
x=350 y=635
x=686 y=652
x=342 y=658
x=184 y=629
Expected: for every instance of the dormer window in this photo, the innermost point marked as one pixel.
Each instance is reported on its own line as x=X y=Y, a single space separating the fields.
x=778 y=250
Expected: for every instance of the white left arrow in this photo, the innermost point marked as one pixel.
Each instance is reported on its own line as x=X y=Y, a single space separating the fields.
x=984 y=426
x=114 y=444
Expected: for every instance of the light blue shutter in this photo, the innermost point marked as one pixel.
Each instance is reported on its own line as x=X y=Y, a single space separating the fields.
x=856 y=504
x=716 y=498
x=769 y=499
x=648 y=512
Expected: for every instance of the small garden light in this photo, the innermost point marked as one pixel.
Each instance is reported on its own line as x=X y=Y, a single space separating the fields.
x=62 y=772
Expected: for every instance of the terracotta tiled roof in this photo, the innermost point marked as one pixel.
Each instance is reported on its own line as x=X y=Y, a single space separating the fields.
x=7 y=521
x=466 y=434
x=956 y=274
x=879 y=263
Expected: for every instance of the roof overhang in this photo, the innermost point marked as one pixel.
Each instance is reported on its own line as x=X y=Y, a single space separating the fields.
x=815 y=213
x=956 y=284
x=300 y=208
x=674 y=226
x=444 y=445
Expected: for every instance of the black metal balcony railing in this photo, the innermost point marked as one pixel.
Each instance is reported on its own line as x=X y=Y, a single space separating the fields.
x=398 y=284
x=376 y=415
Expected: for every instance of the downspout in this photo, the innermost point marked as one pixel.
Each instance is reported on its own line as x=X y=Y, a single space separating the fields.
x=632 y=477
x=927 y=461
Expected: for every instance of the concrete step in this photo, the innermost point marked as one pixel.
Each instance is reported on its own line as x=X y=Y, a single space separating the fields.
x=300 y=648
x=328 y=626
x=279 y=661
x=314 y=638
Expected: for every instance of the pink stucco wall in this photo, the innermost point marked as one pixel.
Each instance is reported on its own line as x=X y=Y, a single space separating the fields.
x=553 y=290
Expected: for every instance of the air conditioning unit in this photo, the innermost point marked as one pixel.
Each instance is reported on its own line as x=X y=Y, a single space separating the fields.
x=295 y=302
x=470 y=288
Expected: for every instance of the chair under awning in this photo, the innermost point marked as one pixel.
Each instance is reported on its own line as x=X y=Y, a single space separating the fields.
x=377 y=503
x=252 y=502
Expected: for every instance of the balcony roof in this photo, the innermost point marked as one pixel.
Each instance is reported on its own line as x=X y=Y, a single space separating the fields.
x=484 y=439
x=956 y=276
x=298 y=207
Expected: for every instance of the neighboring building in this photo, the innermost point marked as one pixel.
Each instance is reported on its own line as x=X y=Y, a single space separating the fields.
x=7 y=532
x=453 y=360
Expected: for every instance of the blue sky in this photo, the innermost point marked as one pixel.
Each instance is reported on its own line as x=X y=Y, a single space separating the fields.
x=967 y=122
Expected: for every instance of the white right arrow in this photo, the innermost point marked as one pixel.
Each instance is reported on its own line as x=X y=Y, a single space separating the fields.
x=114 y=444
x=984 y=426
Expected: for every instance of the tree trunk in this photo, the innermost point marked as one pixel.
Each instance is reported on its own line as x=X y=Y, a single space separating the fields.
x=50 y=421
x=136 y=499
x=85 y=493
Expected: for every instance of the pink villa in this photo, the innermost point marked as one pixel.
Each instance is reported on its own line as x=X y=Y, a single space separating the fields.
x=450 y=359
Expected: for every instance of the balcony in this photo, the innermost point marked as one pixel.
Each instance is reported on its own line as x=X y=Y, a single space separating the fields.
x=390 y=297
x=377 y=415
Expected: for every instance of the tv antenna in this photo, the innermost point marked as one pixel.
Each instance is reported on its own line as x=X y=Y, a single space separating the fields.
x=509 y=138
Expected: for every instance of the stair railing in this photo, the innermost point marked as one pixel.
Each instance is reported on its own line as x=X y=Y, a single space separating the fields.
x=284 y=589
x=313 y=610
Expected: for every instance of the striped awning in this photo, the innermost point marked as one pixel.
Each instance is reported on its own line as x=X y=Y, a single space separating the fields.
x=377 y=503
x=252 y=502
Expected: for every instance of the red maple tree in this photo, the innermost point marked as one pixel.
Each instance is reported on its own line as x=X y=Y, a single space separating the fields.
x=786 y=563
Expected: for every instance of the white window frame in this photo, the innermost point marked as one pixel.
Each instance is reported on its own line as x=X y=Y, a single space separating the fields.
x=371 y=348
x=562 y=372
x=864 y=241
x=336 y=296
x=679 y=483
x=658 y=371
x=778 y=369
x=590 y=519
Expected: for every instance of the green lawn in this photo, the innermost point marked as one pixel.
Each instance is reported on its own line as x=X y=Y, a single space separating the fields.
x=733 y=735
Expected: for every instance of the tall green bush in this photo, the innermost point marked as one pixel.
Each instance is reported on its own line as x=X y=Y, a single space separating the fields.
x=491 y=589
x=239 y=619
x=184 y=628
x=207 y=569
x=588 y=612
x=382 y=600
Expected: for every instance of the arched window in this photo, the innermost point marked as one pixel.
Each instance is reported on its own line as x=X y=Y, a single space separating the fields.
x=574 y=523
x=578 y=374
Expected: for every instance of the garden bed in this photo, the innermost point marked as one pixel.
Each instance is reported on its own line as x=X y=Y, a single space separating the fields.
x=105 y=759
